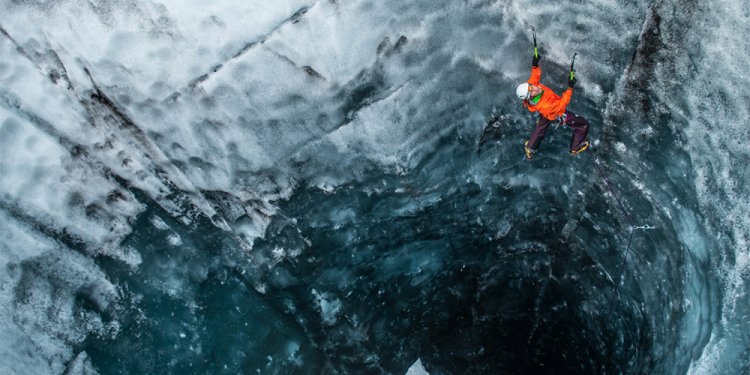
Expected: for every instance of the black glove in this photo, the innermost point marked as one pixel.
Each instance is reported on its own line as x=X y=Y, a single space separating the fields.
x=535 y=60
x=572 y=81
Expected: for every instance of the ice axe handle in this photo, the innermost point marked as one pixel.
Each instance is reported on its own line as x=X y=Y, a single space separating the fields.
x=572 y=63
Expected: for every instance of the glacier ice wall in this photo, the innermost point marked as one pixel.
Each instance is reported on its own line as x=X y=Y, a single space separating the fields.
x=323 y=158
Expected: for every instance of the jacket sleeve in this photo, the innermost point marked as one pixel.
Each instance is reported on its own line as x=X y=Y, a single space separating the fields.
x=536 y=75
x=564 y=100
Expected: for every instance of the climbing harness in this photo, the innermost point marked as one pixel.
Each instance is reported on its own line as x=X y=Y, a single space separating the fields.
x=561 y=120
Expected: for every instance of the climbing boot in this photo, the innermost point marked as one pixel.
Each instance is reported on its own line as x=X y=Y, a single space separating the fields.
x=583 y=147
x=529 y=152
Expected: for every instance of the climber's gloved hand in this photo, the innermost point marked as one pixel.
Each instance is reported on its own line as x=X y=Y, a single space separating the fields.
x=572 y=80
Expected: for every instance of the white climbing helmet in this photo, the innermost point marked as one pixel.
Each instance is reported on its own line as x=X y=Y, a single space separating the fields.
x=522 y=91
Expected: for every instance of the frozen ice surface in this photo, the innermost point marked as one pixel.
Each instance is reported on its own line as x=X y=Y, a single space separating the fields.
x=289 y=146
x=417 y=369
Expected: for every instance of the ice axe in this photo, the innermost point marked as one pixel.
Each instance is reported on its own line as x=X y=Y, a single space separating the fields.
x=571 y=77
x=573 y=71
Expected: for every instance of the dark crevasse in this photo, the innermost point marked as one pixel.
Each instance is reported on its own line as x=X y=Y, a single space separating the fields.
x=441 y=264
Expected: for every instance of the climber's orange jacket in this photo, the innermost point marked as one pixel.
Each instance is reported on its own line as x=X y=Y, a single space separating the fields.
x=550 y=105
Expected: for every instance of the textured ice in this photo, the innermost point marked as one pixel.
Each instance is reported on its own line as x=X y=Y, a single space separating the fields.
x=417 y=369
x=329 y=307
x=332 y=146
x=45 y=282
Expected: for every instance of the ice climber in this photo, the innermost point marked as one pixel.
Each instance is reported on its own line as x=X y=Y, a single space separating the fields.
x=551 y=107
